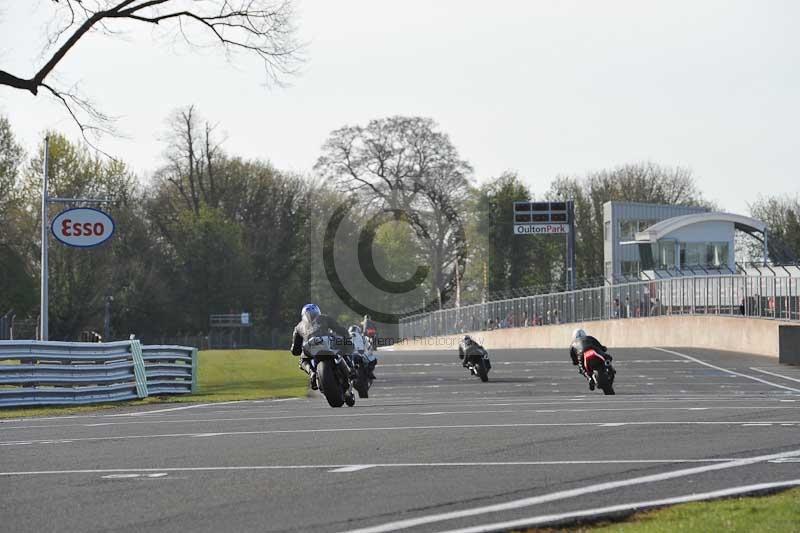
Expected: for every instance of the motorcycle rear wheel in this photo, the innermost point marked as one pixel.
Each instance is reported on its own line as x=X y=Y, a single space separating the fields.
x=604 y=382
x=328 y=384
x=482 y=372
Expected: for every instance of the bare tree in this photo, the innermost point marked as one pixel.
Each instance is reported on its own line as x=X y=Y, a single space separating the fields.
x=193 y=155
x=405 y=164
x=261 y=27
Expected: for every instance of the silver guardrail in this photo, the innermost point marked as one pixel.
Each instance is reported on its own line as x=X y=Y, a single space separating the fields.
x=770 y=297
x=77 y=373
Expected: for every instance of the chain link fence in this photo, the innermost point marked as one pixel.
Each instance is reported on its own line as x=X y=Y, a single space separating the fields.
x=772 y=297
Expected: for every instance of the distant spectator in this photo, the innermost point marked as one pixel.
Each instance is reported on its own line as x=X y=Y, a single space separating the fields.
x=741 y=307
x=627 y=307
x=615 y=310
x=656 y=309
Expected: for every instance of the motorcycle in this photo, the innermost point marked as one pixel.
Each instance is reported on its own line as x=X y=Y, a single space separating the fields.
x=598 y=366
x=364 y=362
x=479 y=365
x=333 y=371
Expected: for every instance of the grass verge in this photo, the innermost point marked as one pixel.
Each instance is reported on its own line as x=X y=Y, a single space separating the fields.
x=224 y=375
x=777 y=513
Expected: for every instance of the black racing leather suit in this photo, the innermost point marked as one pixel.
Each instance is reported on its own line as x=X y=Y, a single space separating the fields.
x=579 y=346
x=464 y=352
x=320 y=326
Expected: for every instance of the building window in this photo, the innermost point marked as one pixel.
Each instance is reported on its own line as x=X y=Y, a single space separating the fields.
x=628 y=229
x=607 y=231
x=609 y=270
x=631 y=269
x=719 y=254
x=708 y=254
x=644 y=224
x=666 y=254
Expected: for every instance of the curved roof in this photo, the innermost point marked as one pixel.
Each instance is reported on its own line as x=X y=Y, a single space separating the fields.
x=665 y=227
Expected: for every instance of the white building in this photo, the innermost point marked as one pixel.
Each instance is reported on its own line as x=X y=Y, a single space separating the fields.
x=641 y=240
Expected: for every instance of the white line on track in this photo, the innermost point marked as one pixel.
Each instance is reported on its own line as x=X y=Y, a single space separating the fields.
x=409 y=428
x=571 y=493
x=401 y=413
x=625 y=507
x=731 y=372
x=353 y=468
x=196 y=406
x=774 y=374
x=350 y=468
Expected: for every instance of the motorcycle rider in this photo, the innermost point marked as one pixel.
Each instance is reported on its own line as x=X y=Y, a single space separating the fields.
x=581 y=342
x=469 y=347
x=370 y=331
x=360 y=346
x=314 y=323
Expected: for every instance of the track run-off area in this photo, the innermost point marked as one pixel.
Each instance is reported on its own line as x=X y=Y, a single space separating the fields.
x=432 y=449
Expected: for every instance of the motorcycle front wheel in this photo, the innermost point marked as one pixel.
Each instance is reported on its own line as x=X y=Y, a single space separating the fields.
x=328 y=384
x=362 y=382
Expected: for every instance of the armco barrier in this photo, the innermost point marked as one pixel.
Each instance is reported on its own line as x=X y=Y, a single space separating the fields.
x=170 y=369
x=75 y=373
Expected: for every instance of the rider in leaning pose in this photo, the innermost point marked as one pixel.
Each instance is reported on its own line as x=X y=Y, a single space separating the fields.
x=469 y=347
x=314 y=323
x=581 y=342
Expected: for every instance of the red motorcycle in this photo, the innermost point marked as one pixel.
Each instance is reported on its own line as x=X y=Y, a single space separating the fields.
x=598 y=370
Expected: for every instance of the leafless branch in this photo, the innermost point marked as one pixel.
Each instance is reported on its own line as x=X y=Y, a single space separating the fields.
x=264 y=28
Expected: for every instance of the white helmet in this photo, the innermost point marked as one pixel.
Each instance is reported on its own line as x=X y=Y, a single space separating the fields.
x=352 y=330
x=578 y=334
x=310 y=312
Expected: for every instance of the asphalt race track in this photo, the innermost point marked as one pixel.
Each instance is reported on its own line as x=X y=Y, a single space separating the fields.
x=433 y=449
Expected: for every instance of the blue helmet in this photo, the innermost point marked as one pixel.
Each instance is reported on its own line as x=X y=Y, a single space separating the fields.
x=310 y=312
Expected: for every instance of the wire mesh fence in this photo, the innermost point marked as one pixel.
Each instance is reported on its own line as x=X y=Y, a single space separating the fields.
x=771 y=297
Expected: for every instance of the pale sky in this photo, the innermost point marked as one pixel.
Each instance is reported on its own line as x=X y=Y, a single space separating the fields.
x=539 y=87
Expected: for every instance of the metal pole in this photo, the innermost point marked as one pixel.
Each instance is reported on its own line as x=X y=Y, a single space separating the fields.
x=43 y=310
x=571 y=274
x=107 y=319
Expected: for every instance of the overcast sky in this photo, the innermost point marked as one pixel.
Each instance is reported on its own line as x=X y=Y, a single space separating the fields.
x=538 y=87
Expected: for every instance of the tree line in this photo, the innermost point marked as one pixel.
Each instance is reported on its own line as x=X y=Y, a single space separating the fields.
x=391 y=220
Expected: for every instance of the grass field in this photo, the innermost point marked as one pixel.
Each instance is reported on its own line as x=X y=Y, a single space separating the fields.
x=224 y=375
x=777 y=513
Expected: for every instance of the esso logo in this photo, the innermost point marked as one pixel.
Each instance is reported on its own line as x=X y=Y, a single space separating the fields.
x=83 y=227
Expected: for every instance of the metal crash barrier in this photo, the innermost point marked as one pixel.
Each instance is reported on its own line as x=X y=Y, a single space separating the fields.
x=770 y=297
x=77 y=373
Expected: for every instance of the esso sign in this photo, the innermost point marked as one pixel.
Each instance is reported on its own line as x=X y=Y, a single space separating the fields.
x=83 y=227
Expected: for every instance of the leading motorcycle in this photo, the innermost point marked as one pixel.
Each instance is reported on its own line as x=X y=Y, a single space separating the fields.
x=479 y=365
x=598 y=366
x=333 y=371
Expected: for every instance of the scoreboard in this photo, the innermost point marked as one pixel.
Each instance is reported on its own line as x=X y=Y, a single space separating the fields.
x=541 y=218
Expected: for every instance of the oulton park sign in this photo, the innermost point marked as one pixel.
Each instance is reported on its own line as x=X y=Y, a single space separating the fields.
x=541 y=229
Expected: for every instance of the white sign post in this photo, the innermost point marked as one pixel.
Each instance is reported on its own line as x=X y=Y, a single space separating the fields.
x=73 y=227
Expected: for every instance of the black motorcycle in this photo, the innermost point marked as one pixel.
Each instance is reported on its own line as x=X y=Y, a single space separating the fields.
x=479 y=365
x=333 y=371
